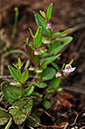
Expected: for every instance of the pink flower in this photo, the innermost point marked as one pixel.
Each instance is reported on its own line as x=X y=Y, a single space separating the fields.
x=68 y=69
x=58 y=75
x=48 y=26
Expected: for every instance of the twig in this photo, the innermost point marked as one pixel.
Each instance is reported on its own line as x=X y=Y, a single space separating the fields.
x=4 y=77
x=66 y=125
x=53 y=118
x=30 y=127
x=2 y=66
x=2 y=96
x=9 y=76
x=83 y=127
x=76 y=89
x=52 y=126
x=80 y=26
x=74 y=119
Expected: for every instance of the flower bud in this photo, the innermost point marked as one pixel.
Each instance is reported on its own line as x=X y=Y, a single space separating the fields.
x=48 y=26
x=58 y=75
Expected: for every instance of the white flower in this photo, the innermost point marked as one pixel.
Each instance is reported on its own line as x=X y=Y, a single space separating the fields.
x=40 y=51
x=39 y=71
x=58 y=75
x=37 y=52
x=31 y=68
x=68 y=69
x=15 y=83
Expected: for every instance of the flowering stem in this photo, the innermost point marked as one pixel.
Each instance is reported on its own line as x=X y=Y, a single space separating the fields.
x=21 y=90
x=50 y=40
x=50 y=45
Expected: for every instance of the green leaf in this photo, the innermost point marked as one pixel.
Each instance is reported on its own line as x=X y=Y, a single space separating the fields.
x=34 y=58
x=32 y=122
x=19 y=52
x=48 y=73
x=31 y=32
x=48 y=60
x=11 y=92
x=15 y=46
x=49 y=11
x=2 y=99
x=71 y=62
x=41 y=85
x=25 y=105
x=15 y=66
x=24 y=76
x=4 y=116
x=57 y=45
x=30 y=46
x=16 y=75
x=50 y=90
x=42 y=13
x=44 y=55
x=63 y=66
x=29 y=90
x=46 y=104
x=41 y=22
x=55 y=83
x=37 y=98
x=19 y=63
x=60 y=33
x=38 y=38
x=55 y=65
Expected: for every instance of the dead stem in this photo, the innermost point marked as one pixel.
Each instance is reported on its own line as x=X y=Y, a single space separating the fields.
x=83 y=127
x=52 y=126
x=74 y=119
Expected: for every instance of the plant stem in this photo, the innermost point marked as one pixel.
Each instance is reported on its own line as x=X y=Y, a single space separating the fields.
x=10 y=51
x=45 y=96
x=15 y=23
x=21 y=90
x=9 y=124
x=50 y=41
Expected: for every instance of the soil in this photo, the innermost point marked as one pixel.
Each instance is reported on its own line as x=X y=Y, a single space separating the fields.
x=67 y=113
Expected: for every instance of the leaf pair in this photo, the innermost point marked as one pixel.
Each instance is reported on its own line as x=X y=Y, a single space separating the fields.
x=24 y=107
x=19 y=111
x=41 y=22
x=17 y=75
x=47 y=16
x=11 y=93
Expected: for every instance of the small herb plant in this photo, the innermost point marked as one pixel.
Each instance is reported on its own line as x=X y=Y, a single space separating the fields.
x=42 y=53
